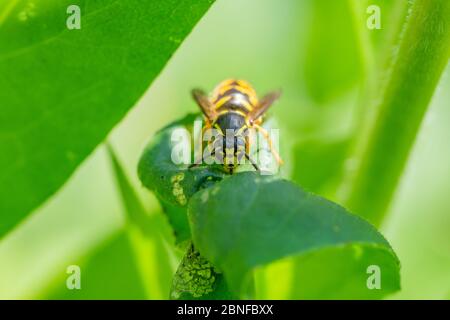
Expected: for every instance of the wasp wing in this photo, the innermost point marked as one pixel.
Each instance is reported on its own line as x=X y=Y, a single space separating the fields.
x=205 y=105
x=263 y=105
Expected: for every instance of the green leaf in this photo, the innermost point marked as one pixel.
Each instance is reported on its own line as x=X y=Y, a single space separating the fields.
x=384 y=147
x=63 y=90
x=248 y=221
x=177 y=217
x=173 y=184
x=197 y=279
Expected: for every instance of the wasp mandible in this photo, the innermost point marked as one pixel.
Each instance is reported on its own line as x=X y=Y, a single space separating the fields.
x=234 y=107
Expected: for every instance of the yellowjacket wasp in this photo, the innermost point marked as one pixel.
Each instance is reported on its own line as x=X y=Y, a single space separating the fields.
x=234 y=106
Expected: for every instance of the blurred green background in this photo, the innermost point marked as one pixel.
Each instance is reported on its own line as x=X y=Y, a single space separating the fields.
x=315 y=52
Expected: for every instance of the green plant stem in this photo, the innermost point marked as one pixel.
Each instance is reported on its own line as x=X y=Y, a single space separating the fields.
x=421 y=58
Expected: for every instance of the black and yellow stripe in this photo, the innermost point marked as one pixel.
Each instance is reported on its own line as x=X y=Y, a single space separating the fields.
x=234 y=96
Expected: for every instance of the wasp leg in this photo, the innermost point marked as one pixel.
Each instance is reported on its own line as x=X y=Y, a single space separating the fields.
x=197 y=162
x=252 y=162
x=269 y=141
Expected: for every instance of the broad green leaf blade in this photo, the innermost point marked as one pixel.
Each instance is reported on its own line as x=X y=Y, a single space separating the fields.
x=62 y=91
x=248 y=221
x=422 y=55
x=174 y=184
